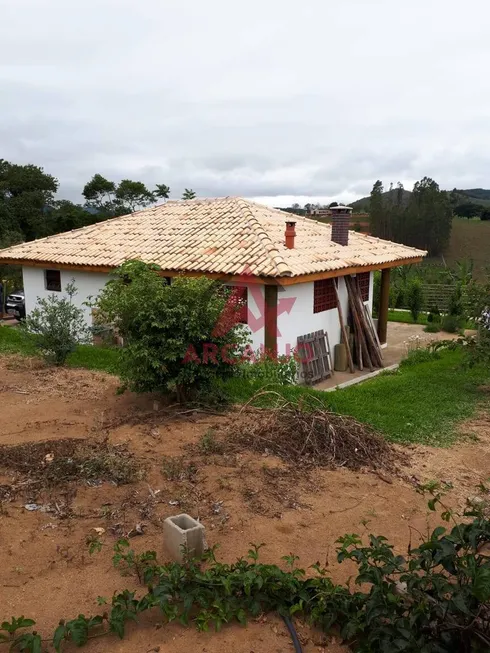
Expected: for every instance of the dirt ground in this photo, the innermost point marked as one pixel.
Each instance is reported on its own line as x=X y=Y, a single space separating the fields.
x=46 y=572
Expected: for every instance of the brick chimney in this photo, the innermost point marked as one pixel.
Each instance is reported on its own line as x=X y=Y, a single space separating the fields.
x=290 y=234
x=340 y=224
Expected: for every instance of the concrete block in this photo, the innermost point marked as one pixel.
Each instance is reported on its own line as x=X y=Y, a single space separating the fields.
x=183 y=531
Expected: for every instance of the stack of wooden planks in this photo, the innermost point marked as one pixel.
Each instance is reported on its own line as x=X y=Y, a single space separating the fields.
x=367 y=349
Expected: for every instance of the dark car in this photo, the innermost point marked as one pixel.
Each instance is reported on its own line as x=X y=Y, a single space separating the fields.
x=16 y=304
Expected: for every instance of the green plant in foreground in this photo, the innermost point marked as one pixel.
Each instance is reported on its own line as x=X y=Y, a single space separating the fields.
x=56 y=326
x=436 y=599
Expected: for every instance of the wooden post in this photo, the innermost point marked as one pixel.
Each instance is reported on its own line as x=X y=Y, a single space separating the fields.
x=384 y=302
x=342 y=328
x=270 y=324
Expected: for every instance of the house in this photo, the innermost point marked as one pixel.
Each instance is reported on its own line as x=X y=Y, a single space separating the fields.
x=286 y=265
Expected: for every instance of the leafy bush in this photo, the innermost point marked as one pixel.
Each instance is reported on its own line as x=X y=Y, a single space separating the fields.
x=57 y=326
x=451 y=323
x=279 y=370
x=420 y=355
x=180 y=336
x=434 y=315
x=455 y=306
x=415 y=297
x=432 y=327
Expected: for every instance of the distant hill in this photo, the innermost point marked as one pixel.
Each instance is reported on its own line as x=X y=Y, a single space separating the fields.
x=477 y=193
x=479 y=196
x=362 y=205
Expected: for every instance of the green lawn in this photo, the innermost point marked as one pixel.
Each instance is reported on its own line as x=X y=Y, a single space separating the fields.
x=406 y=316
x=12 y=341
x=421 y=403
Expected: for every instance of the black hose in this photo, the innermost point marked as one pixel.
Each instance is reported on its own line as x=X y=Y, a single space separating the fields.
x=292 y=631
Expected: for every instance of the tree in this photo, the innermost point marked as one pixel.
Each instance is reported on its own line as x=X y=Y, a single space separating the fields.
x=65 y=216
x=468 y=210
x=188 y=194
x=415 y=297
x=485 y=214
x=377 y=211
x=99 y=193
x=26 y=192
x=57 y=326
x=133 y=195
x=333 y=204
x=162 y=191
x=429 y=217
x=171 y=340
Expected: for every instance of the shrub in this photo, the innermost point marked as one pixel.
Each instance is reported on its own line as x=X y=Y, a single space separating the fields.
x=57 y=326
x=415 y=297
x=421 y=355
x=279 y=370
x=455 y=307
x=432 y=327
x=451 y=324
x=181 y=336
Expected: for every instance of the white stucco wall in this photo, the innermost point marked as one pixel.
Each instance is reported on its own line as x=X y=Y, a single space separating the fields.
x=302 y=320
x=298 y=299
x=87 y=283
x=256 y=313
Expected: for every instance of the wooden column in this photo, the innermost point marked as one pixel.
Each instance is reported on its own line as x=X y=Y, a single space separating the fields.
x=384 y=302
x=270 y=324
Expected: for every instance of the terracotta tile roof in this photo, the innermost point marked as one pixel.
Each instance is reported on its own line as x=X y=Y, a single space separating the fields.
x=224 y=235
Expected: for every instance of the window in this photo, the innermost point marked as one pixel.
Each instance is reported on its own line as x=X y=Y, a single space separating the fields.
x=324 y=297
x=363 y=280
x=53 y=280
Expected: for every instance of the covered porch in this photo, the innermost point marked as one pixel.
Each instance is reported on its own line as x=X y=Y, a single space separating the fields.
x=400 y=339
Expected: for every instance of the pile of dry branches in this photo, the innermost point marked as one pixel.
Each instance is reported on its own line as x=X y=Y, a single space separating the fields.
x=313 y=437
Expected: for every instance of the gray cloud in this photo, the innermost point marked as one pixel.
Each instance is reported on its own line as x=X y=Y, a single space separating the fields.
x=275 y=99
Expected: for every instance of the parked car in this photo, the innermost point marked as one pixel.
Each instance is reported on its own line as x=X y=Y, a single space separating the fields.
x=16 y=304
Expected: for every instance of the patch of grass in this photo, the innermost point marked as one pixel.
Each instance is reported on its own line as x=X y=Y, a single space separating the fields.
x=406 y=316
x=421 y=403
x=105 y=359
x=13 y=341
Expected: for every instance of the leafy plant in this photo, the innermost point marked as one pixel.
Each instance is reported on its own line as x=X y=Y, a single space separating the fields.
x=183 y=336
x=126 y=560
x=57 y=326
x=432 y=327
x=451 y=323
x=278 y=370
x=415 y=297
x=434 y=599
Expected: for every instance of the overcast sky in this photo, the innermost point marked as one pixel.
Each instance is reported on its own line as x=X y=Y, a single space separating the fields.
x=281 y=100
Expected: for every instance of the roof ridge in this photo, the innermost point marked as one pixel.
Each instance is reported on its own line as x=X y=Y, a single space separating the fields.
x=262 y=235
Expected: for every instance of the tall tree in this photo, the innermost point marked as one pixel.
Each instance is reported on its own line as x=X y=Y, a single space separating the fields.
x=133 y=195
x=377 y=210
x=162 y=191
x=429 y=216
x=188 y=194
x=99 y=193
x=66 y=216
x=26 y=192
